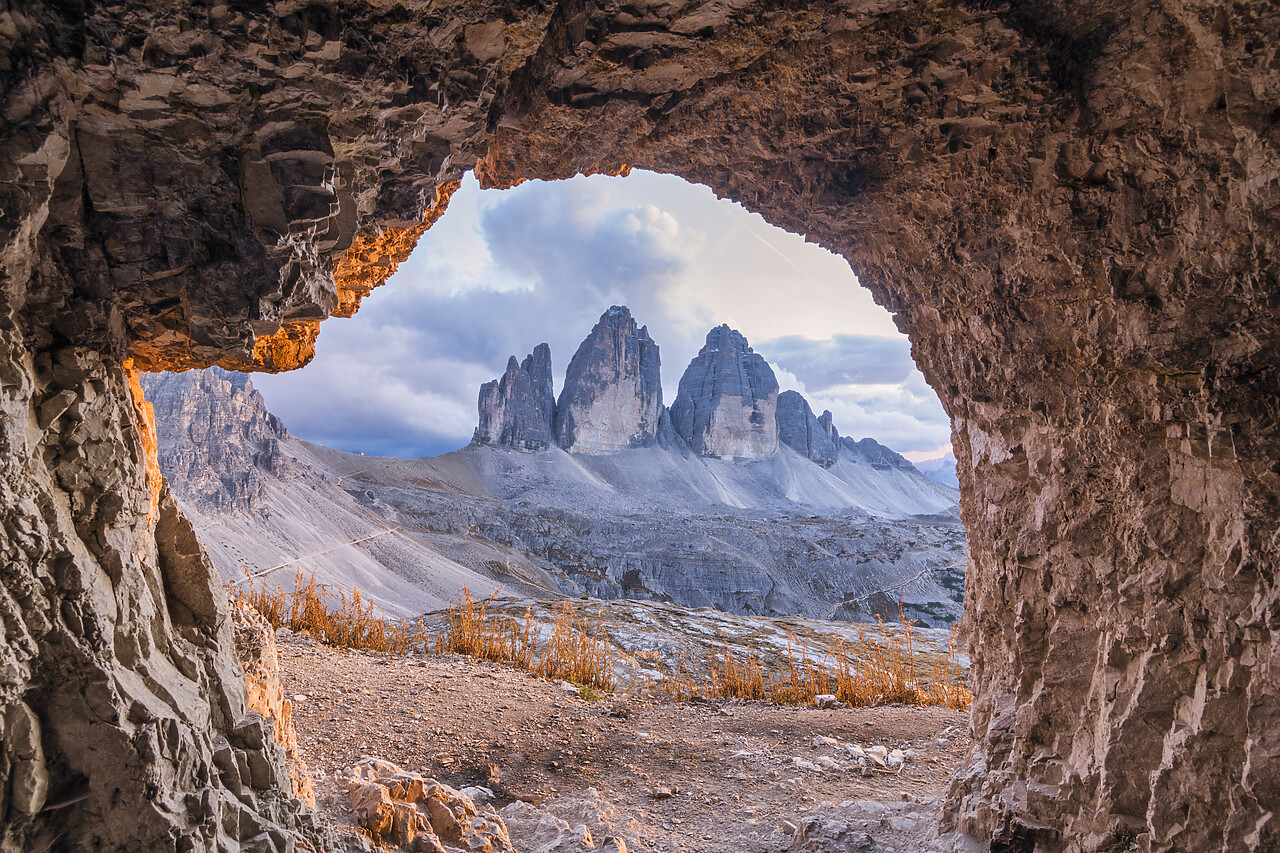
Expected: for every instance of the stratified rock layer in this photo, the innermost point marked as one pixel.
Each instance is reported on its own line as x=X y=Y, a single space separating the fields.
x=518 y=409
x=727 y=402
x=612 y=394
x=1069 y=206
x=801 y=431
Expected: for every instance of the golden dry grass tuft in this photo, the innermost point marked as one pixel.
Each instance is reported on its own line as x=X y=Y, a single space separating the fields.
x=863 y=674
x=332 y=617
x=471 y=631
x=869 y=672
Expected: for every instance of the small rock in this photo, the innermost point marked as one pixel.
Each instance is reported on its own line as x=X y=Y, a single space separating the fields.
x=821 y=741
x=664 y=793
x=826 y=701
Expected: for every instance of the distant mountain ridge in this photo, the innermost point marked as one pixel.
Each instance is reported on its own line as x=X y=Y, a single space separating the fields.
x=737 y=498
x=728 y=405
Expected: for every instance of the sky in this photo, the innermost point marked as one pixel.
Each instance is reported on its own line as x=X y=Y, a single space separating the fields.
x=505 y=270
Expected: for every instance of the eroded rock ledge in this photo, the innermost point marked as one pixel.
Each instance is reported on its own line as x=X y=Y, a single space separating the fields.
x=1070 y=206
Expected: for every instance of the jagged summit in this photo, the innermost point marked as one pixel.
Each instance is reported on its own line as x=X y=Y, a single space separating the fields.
x=804 y=433
x=612 y=395
x=728 y=405
x=727 y=401
x=518 y=409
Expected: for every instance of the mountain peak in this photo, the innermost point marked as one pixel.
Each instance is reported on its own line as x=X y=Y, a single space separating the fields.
x=612 y=394
x=727 y=401
x=518 y=409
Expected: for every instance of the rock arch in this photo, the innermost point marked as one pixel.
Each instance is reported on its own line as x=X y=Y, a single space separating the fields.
x=1071 y=207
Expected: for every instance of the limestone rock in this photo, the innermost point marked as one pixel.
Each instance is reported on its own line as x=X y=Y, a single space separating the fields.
x=256 y=649
x=727 y=401
x=825 y=422
x=571 y=824
x=875 y=454
x=804 y=433
x=217 y=441
x=612 y=395
x=1077 y=233
x=408 y=810
x=518 y=409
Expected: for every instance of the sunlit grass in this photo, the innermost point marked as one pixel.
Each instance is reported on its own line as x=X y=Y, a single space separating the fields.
x=871 y=671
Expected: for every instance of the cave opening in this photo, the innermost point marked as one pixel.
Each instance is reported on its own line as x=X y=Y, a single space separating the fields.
x=1068 y=207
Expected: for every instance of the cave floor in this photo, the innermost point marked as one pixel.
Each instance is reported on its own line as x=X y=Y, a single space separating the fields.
x=736 y=771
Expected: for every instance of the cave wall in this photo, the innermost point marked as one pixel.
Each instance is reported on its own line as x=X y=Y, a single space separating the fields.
x=1072 y=208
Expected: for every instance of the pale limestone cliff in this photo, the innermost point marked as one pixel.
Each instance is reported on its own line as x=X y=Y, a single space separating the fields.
x=802 y=432
x=727 y=401
x=518 y=409
x=612 y=395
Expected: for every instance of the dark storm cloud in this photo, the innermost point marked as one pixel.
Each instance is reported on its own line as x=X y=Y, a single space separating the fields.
x=842 y=359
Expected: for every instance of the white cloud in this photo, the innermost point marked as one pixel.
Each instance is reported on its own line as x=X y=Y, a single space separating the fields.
x=504 y=271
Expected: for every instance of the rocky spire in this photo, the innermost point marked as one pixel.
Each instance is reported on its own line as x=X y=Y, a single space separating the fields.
x=518 y=409
x=727 y=402
x=612 y=395
x=828 y=427
x=801 y=431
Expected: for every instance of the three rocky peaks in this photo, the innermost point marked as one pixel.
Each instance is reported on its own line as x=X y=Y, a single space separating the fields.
x=727 y=406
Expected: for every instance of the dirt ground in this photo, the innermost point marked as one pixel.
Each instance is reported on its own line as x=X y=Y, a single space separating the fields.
x=692 y=775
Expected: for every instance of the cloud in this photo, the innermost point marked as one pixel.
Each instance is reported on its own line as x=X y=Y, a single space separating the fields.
x=504 y=271
x=842 y=359
x=402 y=376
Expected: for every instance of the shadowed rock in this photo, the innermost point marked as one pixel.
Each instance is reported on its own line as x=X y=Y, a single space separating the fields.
x=612 y=395
x=801 y=431
x=518 y=409
x=875 y=454
x=824 y=421
x=727 y=402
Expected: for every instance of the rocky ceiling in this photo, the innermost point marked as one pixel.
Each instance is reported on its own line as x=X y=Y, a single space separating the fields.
x=1073 y=208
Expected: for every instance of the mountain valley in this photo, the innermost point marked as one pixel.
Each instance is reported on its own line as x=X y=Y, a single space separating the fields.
x=736 y=498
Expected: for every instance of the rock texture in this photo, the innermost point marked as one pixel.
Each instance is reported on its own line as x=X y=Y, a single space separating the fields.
x=256 y=650
x=875 y=454
x=125 y=724
x=518 y=410
x=1069 y=206
x=802 y=432
x=217 y=442
x=727 y=401
x=612 y=394
x=411 y=812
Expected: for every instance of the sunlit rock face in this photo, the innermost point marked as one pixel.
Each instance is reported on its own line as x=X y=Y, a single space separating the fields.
x=1068 y=206
x=612 y=395
x=518 y=409
x=800 y=430
x=727 y=402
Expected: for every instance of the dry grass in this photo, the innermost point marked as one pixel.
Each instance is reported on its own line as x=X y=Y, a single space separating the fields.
x=868 y=672
x=331 y=617
x=864 y=674
x=473 y=633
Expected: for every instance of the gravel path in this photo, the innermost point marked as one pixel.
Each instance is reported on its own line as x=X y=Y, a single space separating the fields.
x=693 y=776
